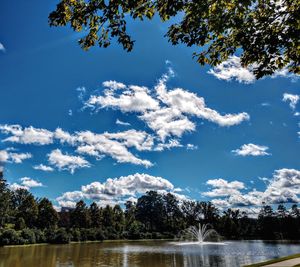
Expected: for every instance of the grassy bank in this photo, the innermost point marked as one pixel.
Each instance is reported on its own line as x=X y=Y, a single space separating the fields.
x=87 y=242
x=275 y=261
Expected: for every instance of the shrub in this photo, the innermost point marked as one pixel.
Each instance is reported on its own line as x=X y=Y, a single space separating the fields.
x=10 y=237
x=99 y=235
x=75 y=234
x=28 y=236
x=20 y=224
x=60 y=237
x=39 y=236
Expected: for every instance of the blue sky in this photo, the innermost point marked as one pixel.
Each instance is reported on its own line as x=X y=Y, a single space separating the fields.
x=48 y=82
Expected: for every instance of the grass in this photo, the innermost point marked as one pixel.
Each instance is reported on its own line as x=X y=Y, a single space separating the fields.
x=275 y=261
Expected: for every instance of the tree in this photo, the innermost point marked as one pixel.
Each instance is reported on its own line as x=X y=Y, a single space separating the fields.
x=5 y=201
x=119 y=219
x=129 y=214
x=80 y=216
x=191 y=211
x=173 y=214
x=209 y=211
x=149 y=210
x=265 y=32
x=95 y=215
x=26 y=207
x=47 y=215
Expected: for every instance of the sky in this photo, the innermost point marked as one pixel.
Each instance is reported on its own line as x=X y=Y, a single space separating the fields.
x=107 y=125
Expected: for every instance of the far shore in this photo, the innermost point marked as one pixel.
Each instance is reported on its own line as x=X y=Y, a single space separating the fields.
x=86 y=242
x=141 y=240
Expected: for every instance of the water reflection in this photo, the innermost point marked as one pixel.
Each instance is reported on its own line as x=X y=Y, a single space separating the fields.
x=143 y=254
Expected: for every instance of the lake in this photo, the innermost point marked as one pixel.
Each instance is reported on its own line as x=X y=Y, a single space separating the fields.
x=144 y=254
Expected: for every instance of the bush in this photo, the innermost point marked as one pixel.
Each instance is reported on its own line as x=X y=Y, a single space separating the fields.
x=20 y=224
x=28 y=236
x=99 y=235
x=75 y=234
x=91 y=234
x=60 y=237
x=10 y=237
x=39 y=236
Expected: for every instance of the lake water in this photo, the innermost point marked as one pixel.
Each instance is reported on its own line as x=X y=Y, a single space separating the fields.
x=144 y=254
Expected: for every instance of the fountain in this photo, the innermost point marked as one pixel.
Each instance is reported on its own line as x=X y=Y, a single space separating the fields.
x=199 y=235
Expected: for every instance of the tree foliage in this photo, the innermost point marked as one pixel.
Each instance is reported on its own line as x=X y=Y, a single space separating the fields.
x=27 y=220
x=265 y=32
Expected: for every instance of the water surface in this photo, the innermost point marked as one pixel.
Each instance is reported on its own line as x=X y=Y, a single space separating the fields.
x=144 y=254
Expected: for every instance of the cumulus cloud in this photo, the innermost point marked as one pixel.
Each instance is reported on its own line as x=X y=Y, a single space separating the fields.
x=232 y=69
x=167 y=112
x=251 y=150
x=8 y=156
x=170 y=144
x=291 y=99
x=222 y=188
x=27 y=135
x=117 y=190
x=133 y=99
x=115 y=145
x=282 y=187
x=284 y=73
x=19 y=157
x=43 y=167
x=4 y=156
x=16 y=186
x=66 y=161
x=26 y=183
x=29 y=182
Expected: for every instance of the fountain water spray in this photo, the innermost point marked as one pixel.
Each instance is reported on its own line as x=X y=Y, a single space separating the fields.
x=199 y=234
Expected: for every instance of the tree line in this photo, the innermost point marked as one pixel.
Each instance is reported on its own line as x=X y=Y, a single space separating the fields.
x=25 y=219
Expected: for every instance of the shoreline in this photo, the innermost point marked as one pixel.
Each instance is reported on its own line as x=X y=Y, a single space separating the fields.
x=281 y=259
x=88 y=241
x=148 y=240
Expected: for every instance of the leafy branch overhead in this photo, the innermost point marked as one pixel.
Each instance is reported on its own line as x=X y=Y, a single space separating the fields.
x=265 y=32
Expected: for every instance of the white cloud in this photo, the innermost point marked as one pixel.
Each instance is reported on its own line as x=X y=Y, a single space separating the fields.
x=43 y=167
x=132 y=138
x=26 y=183
x=191 y=147
x=232 y=69
x=251 y=150
x=99 y=144
x=65 y=137
x=66 y=161
x=4 y=156
x=118 y=190
x=28 y=135
x=222 y=188
x=171 y=144
x=292 y=99
x=283 y=187
x=115 y=145
x=29 y=182
x=284 y=73
x=7 y=156
x=166 y=112
x=19 y=157
x=16 y=186
x=2 y=48
x=119 y=122
x=133 y=99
